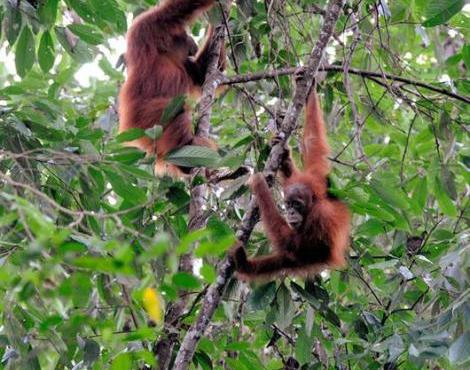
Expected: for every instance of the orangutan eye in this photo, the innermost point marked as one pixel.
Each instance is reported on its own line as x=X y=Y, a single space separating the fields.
x=296 y=204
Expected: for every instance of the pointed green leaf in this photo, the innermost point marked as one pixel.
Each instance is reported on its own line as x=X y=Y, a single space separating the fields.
x=285 y=307
x=262 y=296
x=466 y=55
x=185 y=281
x=25 y=53
x=47 y=12
x=443 y=200
x=208 y=273
x=391 y=195
x=420 y=195
x=84 y=9
x=194 y=156
x=46 y=53
x=87 y=33
x=440 y=11
x=129 y=135
x=12 y=24
x=303 y=347
x=124 y=188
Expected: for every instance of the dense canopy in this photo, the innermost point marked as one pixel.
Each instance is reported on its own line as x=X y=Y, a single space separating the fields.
x=105 y=266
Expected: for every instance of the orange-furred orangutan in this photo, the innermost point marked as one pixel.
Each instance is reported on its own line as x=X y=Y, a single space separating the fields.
x=163 y=62
x=315 y=233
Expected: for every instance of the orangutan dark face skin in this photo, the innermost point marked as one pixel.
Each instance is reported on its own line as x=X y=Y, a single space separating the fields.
x=298 y=199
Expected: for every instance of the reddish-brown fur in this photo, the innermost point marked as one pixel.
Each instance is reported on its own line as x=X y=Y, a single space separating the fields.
x=322 y=240
x=160 y=66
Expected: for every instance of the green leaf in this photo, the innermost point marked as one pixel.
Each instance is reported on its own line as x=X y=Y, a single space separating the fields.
x=208 y=273
x=2 y=14
x=7 y=219
x=285 y=308
x=46 y=52
x=466 y=55
x=214 y=247
x=141 y=334
x=303 y=347
x=440 y=11
x=262 y=296
x=122 y=362
x=136 y=172
x=127 y=155
x=443 y=200
x=219 y=229
x=203 y=360
x=83 y=9
x=173 y=108
x=124 y=189
x=25 y=53
x=109 y=11
x=250 y=361
x=390 y=194
x=185 y=281
x=314 y=302
x=189 y=239
x=87 y=33
x=383 y=265
x=129 y=135
x=12 y=24
x=193 y=156
x=420 y=195
x=109 y=70
x=102 y=264
x=371 y=227
x=97 y=179
x=47 y=12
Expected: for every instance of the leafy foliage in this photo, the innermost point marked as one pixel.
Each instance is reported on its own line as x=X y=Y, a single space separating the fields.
x=91 y=241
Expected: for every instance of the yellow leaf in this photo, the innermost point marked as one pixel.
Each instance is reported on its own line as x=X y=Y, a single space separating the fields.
x=153 y=304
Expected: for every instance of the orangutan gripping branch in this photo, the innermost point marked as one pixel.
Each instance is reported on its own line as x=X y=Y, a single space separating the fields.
x=163 y=62
x=315 y=233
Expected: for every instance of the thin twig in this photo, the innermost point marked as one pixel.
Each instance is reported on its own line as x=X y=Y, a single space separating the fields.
x=406 y=147
x=359 y=276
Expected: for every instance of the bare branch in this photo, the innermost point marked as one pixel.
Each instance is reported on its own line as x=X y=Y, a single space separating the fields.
x=256 y=76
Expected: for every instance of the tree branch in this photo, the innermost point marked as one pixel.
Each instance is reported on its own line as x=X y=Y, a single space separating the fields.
x=256 y=76
x=197 y=214
x=225 y=269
